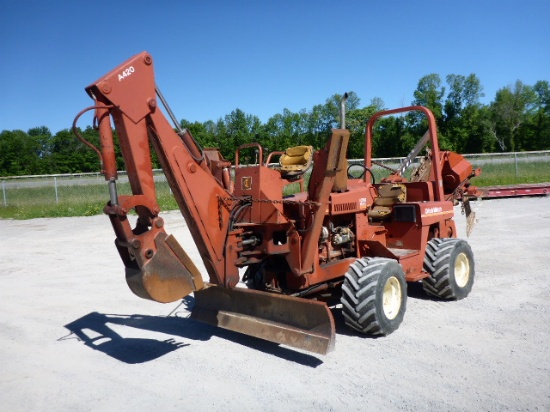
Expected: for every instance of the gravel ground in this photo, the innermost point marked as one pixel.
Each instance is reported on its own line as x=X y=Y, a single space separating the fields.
x=73 y=337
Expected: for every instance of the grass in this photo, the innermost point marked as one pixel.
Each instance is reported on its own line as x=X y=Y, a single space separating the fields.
x=85 y=200
x=89 y=200
x=498 y=174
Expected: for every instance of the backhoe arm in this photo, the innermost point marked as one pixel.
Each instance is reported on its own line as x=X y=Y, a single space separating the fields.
x=156 y=266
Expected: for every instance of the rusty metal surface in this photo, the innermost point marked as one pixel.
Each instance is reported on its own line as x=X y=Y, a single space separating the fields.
x=330 y=162
x=296 y=322
x=308 y=240
x=527 y=189
x=167 y=276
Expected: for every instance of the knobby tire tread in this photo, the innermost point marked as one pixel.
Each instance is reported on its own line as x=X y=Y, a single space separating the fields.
x=437 y=262
x=359 y=295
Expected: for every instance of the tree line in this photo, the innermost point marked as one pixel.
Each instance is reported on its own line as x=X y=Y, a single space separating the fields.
x=517 y=119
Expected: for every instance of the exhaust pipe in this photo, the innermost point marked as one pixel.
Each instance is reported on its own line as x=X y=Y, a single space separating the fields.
x=343 y=111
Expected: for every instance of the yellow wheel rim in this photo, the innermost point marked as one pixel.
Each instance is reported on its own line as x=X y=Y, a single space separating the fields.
x=392 y=297
x=462 y=270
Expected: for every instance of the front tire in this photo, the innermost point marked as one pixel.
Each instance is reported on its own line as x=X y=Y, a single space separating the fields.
x=450 y=263
x=374 y=296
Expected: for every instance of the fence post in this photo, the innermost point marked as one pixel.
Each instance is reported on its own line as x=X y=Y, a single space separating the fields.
x=4 y=193
x=56 y=194
x=516 y=161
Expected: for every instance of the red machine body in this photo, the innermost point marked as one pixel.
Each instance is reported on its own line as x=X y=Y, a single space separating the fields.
x=298 y=251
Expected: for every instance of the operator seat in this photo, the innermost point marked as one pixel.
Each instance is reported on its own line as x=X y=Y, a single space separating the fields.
x=388 y=195
x=295 y=161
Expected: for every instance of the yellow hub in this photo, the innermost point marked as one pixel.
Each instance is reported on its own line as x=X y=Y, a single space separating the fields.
x=462 y=270
x=392 y=297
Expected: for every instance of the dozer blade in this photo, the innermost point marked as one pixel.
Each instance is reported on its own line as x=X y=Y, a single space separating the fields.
x=300 y=323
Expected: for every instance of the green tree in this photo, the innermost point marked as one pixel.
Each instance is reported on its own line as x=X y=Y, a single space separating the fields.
x=511 y=109
x=21 y=153
x=43 y=138
x=70 y=155
x=321 y=119
x=356 y=123
x=237 y=128
x=285 y=130
x=430 y=93
x=203 y=133
x=539 y=124
x=460 y=123
x=389 y=136
x=318 y=125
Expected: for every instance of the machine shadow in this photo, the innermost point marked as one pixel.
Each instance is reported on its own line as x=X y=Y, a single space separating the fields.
x=415 y=290
x=95 y=332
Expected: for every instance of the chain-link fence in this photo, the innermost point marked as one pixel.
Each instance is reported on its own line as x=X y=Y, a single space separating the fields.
x=512 y=168
x=498 y=168
x=55 y=188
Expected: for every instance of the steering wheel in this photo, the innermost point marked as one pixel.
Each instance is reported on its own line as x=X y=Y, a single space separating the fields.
x=365 y=169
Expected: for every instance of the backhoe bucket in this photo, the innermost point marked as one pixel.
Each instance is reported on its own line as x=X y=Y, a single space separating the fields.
x=300 y=323
x=168 y=276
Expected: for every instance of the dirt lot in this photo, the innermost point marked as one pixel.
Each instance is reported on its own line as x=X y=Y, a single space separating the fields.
x=73 y=337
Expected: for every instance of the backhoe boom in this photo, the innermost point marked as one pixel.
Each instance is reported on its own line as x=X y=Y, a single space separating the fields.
x=157 y=267
x=128 y=93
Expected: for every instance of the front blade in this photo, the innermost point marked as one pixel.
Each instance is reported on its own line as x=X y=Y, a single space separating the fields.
x=300 y=323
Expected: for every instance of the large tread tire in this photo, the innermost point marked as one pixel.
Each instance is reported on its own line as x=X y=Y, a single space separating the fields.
x=450 y=263
x=374 y=296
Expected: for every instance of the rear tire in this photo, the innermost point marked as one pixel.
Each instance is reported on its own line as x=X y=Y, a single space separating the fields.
x=374 y=296
x=450 y=263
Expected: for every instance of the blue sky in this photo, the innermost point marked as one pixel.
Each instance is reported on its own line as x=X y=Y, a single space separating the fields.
x=212 y=57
